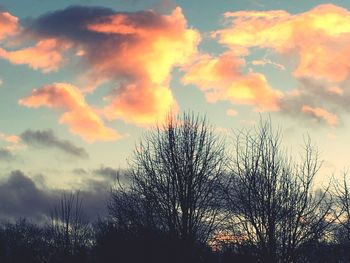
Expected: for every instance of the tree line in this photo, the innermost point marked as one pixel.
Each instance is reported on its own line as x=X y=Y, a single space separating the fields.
x=194 y=197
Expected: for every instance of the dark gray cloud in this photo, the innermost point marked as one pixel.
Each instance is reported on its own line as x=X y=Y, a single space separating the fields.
x=69 y=23
x=102 y=179
x=108 y=172
x=6 y=155
x=104 y=173
x=80 y=171
x=48 y=139
x=20 y=197
x=23 y=197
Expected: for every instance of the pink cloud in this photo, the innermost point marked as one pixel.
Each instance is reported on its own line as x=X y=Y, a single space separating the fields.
x=221 y=78
x=141 y=103
x=144 y=64
x=8 y=25
x=135 y=52
x=335 y=90
x=320 y=37
x=10 y=138
x=78 y=115
x=320 y=113
x=45 y=55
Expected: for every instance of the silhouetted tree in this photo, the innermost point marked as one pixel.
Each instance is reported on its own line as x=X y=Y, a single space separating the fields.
x=69 y=233
x=22 y=242
x=342 y=214
x=173 y=198
x=271 y=198
x=131 y=212
x=177 y=169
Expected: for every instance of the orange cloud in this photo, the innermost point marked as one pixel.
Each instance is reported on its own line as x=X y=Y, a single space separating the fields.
x=335 y=90
x=141 y=103
x=136 y=52
x=45 y=55
x=143 y=64
x=8 y=25
x=320 y=113
x=221 y=78
x=78 y=115
x=320 y=37
x=10 y=138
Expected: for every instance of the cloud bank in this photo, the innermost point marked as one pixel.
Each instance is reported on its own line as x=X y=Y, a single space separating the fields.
x=317 y=40
x=22 y=196
x=135 y=54
x=133 y=51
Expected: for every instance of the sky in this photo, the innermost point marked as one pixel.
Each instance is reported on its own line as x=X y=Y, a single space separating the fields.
x=82 y=81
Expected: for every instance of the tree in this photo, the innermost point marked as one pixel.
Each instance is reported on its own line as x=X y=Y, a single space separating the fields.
x=271 y=197
x=342 y=229
x=131 y=234
x=68 y=232
x=176 y=170
x=22 y=241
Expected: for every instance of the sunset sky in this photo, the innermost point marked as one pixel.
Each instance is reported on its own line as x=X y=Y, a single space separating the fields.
x=81 y=81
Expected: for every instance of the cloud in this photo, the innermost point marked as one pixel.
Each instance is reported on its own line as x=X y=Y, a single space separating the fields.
x=13 y=144
x=317 y=94
x=78 y=115
x=231 y=112
x=221 y=78
x=80 y=171
x=335 y=90
x=8 y=25
x=140 y=103
x=9 y=138
x=48 y=139
x=320 y=37
x=6 y=155
x=134 y=51
x=45 y=55
x=22 y=196
x=102 y=176
x=318 y=44
x=107 y=171
x=263 y=62
x=321 y=114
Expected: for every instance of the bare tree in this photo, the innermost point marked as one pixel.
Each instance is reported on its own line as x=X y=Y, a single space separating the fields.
x=271 y=198
x=176 y=170
x=130 y=212
x=342 y=214
x=69 y=231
